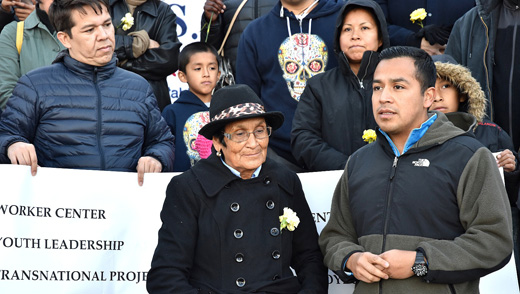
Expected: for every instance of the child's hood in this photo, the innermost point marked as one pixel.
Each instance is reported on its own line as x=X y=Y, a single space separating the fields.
x=460 y=77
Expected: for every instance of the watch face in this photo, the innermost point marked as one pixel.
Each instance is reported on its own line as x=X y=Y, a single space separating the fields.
x=420 y=269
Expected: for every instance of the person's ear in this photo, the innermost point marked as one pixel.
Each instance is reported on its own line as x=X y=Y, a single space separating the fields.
x=182 y=77
x=429 y=97
x=64 y=38
x=216 y=144
x=463 y=98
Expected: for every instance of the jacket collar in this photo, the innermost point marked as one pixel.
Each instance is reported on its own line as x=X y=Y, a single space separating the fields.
x=440 y=131
x=213 y=176
x=86 y=71
x=150 y=7
x=485 y=7
x=366 y=70
x=33 y=21
x=187 y=97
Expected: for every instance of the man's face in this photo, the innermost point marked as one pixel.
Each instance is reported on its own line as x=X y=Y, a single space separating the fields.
x=92 y=39
x=398 y=103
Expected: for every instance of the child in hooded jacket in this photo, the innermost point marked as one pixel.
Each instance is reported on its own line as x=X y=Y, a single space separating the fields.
x=458 y=91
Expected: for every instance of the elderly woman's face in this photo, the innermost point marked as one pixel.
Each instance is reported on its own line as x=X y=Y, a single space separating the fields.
x=246 y=156
x=358 y=34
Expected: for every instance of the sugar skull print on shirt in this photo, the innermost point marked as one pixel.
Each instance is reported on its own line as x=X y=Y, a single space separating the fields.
x=190 y=133
x=301 y=57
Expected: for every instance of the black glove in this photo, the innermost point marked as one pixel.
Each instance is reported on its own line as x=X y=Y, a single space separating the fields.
x=435 y=34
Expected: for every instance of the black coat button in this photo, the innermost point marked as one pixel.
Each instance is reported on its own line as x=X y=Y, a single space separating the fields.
x=276 y=254
x=276 y=277
x=234 y=207
x=269 y=204
x=241 y=282
x=239 y=257
x=275 y=232
x=267 y=181
x=238 y=233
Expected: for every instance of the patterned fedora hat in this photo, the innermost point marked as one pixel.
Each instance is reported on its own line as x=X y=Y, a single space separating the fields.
x=237 y=102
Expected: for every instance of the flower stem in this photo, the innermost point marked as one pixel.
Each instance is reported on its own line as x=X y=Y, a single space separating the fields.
x=209 y=25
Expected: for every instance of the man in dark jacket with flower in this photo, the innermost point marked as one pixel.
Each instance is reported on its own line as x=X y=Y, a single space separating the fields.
x=83 y=111
x=149 y=47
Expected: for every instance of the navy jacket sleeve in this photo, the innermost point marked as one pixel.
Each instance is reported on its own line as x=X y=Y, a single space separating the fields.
x=398 y=34
x=18 y=122
x=159 y=141
x=169 y=116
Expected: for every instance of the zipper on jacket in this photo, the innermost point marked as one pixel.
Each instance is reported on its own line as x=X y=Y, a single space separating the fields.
x=99 y=120
x=366 y=72
x=492 y=116
x=511 y=85
x=388 y=200
x=394 y=166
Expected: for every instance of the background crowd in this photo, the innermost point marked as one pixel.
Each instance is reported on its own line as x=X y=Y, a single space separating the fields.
x=311 y=62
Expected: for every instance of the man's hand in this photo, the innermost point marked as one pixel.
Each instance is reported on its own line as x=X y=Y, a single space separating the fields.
x=22 y=9
x=367 y=267
x=401 y=263
x=506 y=159
x=215 y=6
x=153 y=44
x=147 y=164
x=23 y=154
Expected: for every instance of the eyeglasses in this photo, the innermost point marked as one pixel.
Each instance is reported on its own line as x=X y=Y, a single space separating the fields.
x=242 y=136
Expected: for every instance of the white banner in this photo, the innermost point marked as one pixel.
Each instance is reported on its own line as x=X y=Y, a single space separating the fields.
x=75 y=231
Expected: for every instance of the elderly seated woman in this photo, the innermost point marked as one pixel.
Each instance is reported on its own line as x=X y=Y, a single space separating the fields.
x=237 y=222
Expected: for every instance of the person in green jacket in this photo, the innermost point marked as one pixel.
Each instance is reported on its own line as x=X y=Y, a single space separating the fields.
x=39 y=48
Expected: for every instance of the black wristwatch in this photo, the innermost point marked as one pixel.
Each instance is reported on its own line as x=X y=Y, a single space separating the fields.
x=420 y=268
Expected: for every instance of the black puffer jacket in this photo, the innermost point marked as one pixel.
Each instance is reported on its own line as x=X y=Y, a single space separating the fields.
x=86 y=117
x=157 y=18
x=253 y=9
x=335 y=107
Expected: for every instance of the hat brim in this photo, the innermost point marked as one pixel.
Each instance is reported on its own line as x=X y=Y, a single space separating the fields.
x=273 y=119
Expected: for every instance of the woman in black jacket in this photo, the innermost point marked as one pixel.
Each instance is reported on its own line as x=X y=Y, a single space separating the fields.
x=223 y=227
x=150 y=46
x=336 y=106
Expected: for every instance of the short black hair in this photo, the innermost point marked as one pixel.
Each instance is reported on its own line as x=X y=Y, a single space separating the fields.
x=425 y=70
x=196 y=47
x=60 y=12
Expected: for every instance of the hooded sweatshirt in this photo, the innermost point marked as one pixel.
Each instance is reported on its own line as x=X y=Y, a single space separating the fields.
x=185 y=118
x=336 y=107
x=278 y=53
x=488 y=133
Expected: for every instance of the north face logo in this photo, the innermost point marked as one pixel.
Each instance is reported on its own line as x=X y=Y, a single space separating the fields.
x=421 y=162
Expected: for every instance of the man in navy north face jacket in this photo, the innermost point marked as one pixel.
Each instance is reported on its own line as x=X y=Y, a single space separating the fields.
x=83 y=111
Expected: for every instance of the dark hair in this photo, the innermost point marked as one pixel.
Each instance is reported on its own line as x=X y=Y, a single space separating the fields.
x=220 y=136
x=425 y=70
x=60 y=12
x=196 y=47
